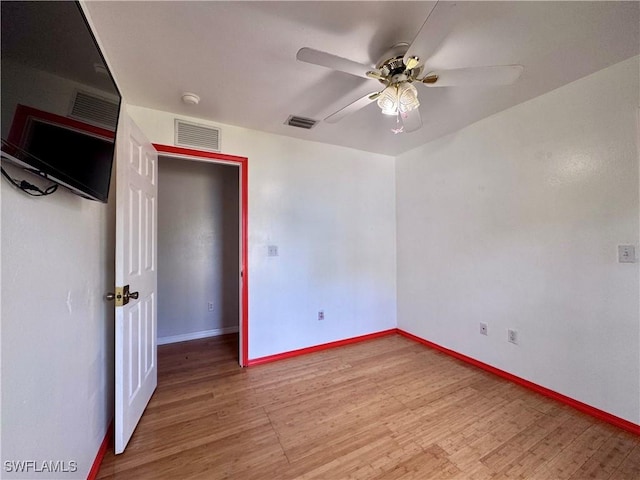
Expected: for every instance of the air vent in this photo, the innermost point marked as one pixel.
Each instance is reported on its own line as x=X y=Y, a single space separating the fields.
x=94 y=110
x=197 y=136
x=300 y=122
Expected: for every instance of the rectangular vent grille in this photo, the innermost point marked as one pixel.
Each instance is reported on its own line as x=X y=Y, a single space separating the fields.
x=94 y=110
x=197 y=136
x=300 y=122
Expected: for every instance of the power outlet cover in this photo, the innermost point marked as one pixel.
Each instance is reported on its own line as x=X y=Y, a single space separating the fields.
x=484 y=328
x=626 y=254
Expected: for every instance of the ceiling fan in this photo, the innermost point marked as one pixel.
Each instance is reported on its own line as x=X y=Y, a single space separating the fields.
x=405 y=64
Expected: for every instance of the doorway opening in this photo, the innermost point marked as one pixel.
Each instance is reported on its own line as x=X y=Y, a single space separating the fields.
x=202 y=246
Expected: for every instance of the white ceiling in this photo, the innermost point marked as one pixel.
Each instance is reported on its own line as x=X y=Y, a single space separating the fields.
x=240 y=57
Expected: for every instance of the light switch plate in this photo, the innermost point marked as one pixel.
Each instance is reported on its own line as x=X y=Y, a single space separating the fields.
x=626 y=254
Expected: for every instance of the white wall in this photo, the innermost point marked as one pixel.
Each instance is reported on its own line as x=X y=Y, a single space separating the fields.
x=515 y=221
x=198 y=248
x=57 y=331
x=331 y=212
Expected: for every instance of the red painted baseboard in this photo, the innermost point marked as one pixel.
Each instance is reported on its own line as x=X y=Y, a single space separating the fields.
x=317 y=348
x=583 y=407
x=95 y=468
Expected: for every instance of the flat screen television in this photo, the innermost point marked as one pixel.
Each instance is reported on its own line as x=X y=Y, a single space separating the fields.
x=60 y=103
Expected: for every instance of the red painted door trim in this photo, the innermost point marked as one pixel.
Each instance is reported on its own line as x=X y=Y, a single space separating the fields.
x=243 y=162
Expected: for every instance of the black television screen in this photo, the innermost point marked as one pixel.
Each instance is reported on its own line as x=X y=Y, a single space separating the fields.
x=60 y=103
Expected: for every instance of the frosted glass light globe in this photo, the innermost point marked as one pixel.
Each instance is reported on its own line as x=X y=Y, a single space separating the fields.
x=407 y=97
x=388 y=100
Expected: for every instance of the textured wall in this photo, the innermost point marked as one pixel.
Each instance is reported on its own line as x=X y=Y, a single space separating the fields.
x=331 y=212
x=57 y=330
x=515 y=221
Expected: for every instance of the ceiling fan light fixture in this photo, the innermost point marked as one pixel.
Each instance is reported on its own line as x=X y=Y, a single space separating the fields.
x=407 y=98
x=399 y=97
x=388 y=100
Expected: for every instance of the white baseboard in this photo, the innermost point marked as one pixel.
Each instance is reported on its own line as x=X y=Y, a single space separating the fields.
x=196 y=335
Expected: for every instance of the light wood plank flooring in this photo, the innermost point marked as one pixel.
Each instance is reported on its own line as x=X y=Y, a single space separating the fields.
x=388 y=408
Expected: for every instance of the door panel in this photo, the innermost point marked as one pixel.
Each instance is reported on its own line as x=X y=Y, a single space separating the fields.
x=136 y=266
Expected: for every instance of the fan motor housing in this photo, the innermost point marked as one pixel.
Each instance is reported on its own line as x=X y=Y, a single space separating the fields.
x=392 y=66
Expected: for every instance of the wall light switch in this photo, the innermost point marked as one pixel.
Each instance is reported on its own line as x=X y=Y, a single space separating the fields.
x=626 y=254
x=272 y=250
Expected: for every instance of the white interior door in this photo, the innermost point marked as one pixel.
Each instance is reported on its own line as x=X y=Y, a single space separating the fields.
x=136 y=369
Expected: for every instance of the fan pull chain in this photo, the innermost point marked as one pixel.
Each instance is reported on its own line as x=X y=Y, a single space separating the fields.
x=399 y=128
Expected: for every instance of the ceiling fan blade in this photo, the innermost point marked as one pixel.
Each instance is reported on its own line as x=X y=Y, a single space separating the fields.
x=316 y=57
x=352 y=107
x=434 y=30
x=464 y=77
x=411 y=120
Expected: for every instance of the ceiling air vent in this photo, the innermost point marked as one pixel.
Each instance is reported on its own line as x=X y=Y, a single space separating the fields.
x=198 y=136
x=94 y=110
x=300 y=122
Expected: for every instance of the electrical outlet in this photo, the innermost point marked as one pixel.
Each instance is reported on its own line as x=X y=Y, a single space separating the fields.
x=321 y=315
x=484 y=328
x=512 y=336
x=210 y=306
x=272 y=250
x=626 y=254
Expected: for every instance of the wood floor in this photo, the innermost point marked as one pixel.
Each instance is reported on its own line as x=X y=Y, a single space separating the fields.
x=388 y=408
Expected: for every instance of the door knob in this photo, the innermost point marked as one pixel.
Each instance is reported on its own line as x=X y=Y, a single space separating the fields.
x=121 y=296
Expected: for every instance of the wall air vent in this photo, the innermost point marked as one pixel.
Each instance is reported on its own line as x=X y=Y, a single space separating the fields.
x=193 y=135
x=300 y=122
x=95 y=110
